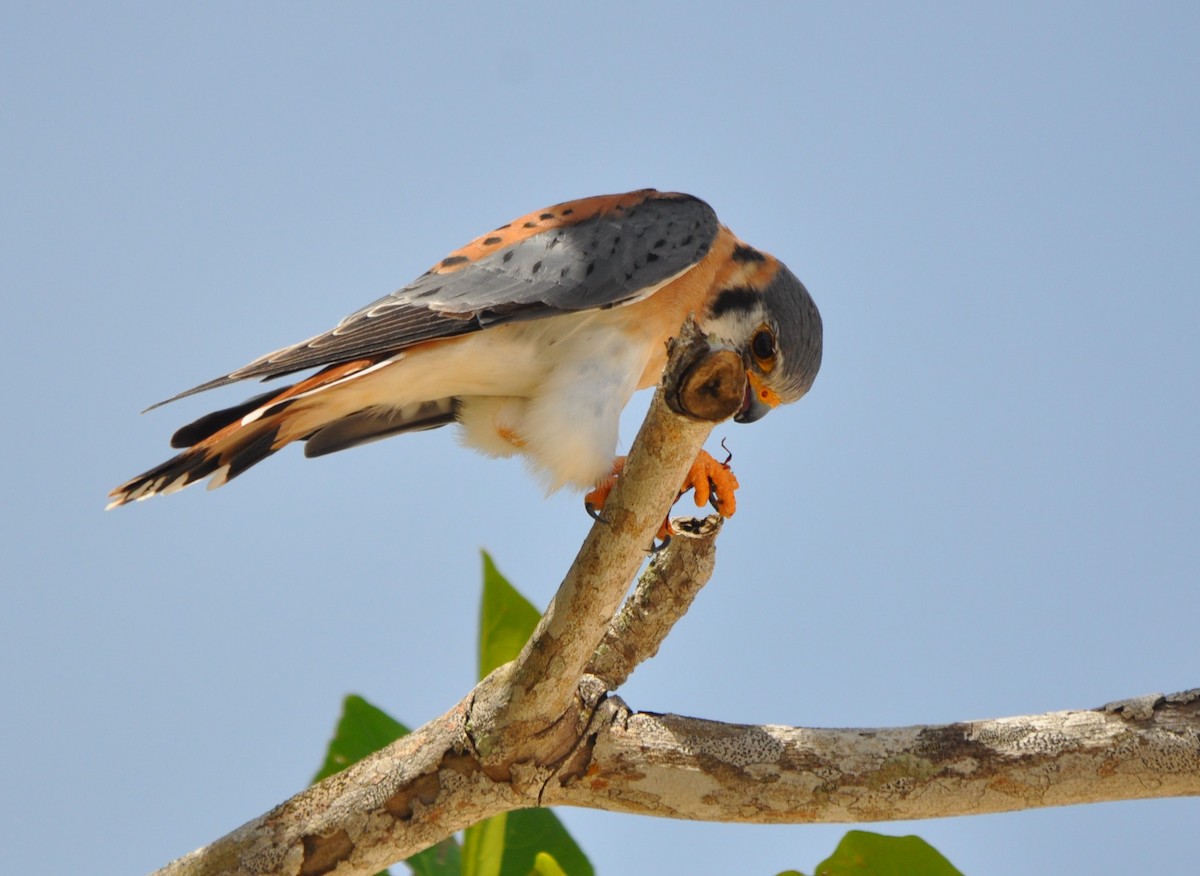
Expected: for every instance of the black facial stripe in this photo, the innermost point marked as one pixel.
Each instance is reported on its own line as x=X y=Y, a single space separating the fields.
x=738 y=298
x=743 y=253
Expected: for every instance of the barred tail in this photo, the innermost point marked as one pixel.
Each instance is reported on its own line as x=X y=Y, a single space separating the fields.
x=220 y=445
x=326 y=410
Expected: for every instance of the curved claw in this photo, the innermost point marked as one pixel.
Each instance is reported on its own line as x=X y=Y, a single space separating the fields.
x=593 y=501
x=655 y=547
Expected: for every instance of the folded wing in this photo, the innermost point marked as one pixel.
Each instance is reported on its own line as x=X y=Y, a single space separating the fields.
x=593 y=253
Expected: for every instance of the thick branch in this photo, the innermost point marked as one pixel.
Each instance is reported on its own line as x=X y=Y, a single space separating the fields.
x=368 y=816
x=678 y=767
x=428 y=785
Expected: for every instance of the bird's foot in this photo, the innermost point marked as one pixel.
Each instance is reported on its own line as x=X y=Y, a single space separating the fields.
x=593 y=501
x=712 y=482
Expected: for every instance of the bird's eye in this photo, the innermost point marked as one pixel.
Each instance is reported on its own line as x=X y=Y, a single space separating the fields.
x=762 y=345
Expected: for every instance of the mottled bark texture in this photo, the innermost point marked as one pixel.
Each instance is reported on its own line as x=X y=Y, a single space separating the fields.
x=544 y=729
x=679 y=767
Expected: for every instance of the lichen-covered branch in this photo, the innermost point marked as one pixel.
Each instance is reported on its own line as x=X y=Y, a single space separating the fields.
x=407 y=796
x=542 y=731
x=662 y=596
x=428 y=785
x=678 y=767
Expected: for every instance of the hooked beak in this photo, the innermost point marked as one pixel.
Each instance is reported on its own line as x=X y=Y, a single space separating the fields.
x=758 y=401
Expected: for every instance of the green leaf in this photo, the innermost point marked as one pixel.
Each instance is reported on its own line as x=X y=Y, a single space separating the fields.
x=444 y=859
x=509 y=845
x=506 y=620
x=483 y=847
x=364 y=729
x=530 y=832
x=872 y=854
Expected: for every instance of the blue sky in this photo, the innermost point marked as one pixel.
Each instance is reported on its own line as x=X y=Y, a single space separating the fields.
x=988 y=505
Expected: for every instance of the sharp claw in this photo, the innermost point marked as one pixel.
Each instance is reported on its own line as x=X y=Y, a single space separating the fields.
x=655 y=548
x=598 y=495
x=729 y=456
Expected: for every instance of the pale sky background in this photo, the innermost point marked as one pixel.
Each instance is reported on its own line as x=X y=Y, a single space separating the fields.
x=989 y=505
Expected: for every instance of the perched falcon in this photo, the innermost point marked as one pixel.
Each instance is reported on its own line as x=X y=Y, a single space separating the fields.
x=533 y=338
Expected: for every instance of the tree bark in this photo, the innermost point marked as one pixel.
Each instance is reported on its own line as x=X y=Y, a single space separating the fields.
x=544 y=730
x=678 y=767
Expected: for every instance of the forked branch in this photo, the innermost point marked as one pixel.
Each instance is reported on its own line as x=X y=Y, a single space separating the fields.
x=543 y=730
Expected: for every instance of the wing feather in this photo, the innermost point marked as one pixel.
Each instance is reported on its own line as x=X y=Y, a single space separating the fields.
x=594 y=253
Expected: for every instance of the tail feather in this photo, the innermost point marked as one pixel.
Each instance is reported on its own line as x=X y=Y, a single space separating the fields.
x=372 y=424
x=225 y=443
x=253 y=451
x=208 y=425
x=224 y=455
x=323 y=408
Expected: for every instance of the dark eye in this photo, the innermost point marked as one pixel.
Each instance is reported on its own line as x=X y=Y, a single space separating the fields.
x=763 y=345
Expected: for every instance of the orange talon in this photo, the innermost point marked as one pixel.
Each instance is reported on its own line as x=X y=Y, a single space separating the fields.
x=594 y=500
x=712 y=481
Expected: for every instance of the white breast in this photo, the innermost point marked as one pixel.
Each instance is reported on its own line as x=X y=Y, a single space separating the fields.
x=566 y=420
x=550 y=389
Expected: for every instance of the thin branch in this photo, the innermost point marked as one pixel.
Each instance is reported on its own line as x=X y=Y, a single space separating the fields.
x=678 y=767
x=662 y=596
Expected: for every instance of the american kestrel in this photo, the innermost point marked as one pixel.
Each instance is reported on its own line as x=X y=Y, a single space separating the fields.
x=533 y=338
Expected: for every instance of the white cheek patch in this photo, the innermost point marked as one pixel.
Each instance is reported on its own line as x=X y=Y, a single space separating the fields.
x=733 y=328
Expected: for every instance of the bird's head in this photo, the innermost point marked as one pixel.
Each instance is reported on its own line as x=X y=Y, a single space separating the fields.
x=775 y=327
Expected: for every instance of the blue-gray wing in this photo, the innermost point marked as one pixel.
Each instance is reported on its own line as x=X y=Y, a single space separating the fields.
x=592 y=253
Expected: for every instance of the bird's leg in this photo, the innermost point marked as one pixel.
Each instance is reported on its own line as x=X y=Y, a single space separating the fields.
x=713 y=483
x=593 y=502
